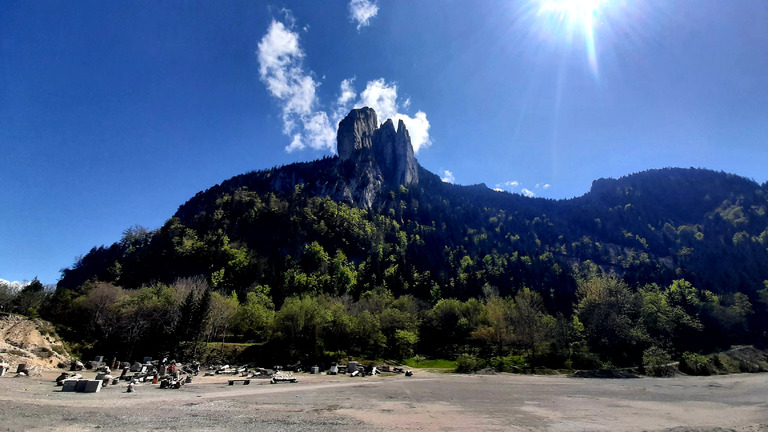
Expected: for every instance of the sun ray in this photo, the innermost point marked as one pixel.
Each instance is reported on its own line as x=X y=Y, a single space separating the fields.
x=566 y=17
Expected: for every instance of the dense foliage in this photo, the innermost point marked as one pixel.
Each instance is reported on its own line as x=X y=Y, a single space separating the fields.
x=667 y=260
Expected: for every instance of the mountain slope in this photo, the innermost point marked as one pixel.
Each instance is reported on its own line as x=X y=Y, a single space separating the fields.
x=372 y=217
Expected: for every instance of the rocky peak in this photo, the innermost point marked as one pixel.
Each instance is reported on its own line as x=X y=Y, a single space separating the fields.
x=355 y=133
x=386 y=153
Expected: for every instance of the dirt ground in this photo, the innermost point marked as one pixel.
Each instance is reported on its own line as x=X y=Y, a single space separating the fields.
x=426 y=402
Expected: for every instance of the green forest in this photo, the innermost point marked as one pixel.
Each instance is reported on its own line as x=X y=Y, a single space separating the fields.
x=642 y=270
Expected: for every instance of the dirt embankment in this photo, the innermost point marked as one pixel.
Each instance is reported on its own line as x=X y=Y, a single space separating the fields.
x=30 y=341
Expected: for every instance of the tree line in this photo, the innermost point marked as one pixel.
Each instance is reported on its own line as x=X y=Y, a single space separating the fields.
x=612 y=323
x=653 y=261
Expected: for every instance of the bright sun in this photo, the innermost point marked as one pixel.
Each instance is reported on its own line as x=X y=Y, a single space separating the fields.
x=568 y=16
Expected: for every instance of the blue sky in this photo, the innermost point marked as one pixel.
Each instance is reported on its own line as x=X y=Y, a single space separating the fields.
x=112 y=114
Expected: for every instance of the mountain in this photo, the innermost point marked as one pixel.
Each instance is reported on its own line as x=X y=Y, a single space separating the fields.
x=373 y=217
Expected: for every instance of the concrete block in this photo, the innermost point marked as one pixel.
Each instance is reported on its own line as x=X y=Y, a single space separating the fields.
x=69 y=385
x=92 y=386
x=80 y=386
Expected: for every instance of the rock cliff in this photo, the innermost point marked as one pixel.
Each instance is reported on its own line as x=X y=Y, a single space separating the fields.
x=374 y=156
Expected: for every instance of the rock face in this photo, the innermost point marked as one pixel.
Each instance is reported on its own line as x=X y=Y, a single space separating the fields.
x=373 y=157
x=355 y=133
x=393 y=153
x=385 y=152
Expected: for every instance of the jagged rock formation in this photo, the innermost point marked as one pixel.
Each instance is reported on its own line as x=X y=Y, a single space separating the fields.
x=393 y=153
x=374 y=156
x=355 y=134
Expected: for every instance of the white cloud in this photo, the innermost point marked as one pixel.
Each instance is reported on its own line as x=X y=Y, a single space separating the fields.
x=361 y=11
x=448 y=177
x=527 y=192
x=347 y=92
x=382 y=97
x=319 y=132
x=281 y=69
x=547 y=186
x=507 y=185
x=296 y=144
x=499 y=190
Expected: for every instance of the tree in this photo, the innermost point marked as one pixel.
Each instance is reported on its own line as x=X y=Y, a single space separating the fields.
x=609 y=311
x=404 y=342
x=223 y=309
x=99 y=305
x=666 y=318
x=496 y=327
x=300 y=321
x=368 y=335
x=530 y=321
x=7 y=294
x=29 y=299
x=256 y=316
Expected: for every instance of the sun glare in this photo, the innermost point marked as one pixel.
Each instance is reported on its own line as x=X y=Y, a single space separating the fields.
x=570 y=16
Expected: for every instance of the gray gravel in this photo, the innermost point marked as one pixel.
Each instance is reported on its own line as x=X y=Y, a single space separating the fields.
x=427 y=401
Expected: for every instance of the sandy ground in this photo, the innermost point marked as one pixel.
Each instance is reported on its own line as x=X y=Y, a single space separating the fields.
x=426 y=402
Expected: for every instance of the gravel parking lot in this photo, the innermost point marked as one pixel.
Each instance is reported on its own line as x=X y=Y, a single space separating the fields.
x=427 y=402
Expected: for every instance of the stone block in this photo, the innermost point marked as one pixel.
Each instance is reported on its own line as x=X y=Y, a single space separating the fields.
x=69 y=385
x=92 y=386
x=80 y=386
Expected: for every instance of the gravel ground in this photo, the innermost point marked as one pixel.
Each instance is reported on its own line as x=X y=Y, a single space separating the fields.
x=426 y=401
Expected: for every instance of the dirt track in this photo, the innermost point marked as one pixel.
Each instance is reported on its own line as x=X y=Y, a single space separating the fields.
x=426 y=401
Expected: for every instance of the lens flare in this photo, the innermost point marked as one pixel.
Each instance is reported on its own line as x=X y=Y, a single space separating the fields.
x=570 y=16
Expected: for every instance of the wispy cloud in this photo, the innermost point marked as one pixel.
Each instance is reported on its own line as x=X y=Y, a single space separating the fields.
x=512 y=185
x=347 y=93
x=282 y=71
x=448 y=177
x=361 y=11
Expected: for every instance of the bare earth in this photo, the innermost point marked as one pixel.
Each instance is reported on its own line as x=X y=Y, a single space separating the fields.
x=427 y=402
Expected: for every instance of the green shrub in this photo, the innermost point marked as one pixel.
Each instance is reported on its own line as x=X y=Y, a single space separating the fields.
x=467 y=363
x=43 y=352
x=47 y=330
x=510 y=363
x=655 y=361
x=697 y=364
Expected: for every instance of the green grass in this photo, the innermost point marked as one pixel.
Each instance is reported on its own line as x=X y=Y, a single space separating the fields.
x=422 y=363
x=228 y=344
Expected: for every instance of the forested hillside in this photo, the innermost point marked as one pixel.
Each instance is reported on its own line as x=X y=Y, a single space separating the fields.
x=330 y=256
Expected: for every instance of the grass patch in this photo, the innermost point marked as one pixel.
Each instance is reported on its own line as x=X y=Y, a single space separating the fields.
x=59 y=349
x=228 y=344
x=422 y=363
